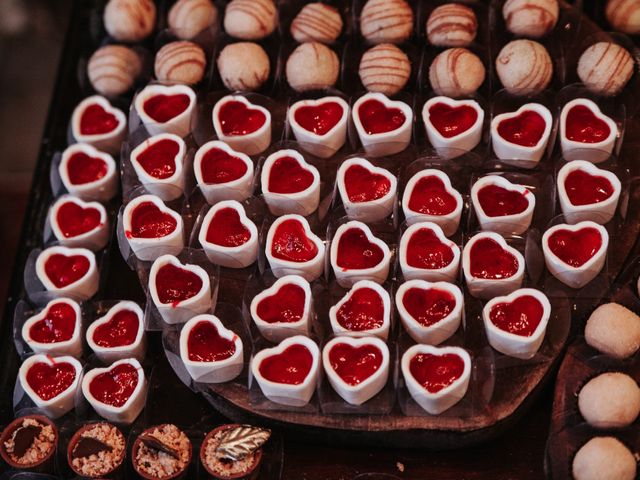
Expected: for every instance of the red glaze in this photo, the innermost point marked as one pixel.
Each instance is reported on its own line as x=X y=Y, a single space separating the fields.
x=319 y=119
x=364 y=310
x=120 y=330
x=49 y=381
x=58 y=324
x=159 y=158
x=356 y=252
x=583 y=126
x=163 y=108
x=430 y=197
x=490 y=261
x=452 y=121
x=520 y=317
x=290 y=367
x=355 y=364
x=205 y=344
x=375 y=117
x=428 y=306
x=436 y=372
x=363 y=185
x=95 y=120
x=83 y=168
x=148 y=221
x=115 y=386
x=236 y=118
x=287 y=175
x=226 y=229
x=585 y=189
x=285 y=306
x=497 y=201
x=290 y=242
x=218 y=167
x=63 y=270
x=74 y=220
x=426 y=250
x=525 y=129
x=575 y=248
x=175 y=284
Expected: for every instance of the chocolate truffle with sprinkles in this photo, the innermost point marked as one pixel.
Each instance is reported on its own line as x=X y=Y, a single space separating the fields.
x=96 y=450
x=187 y=18
x=386 y=21
x=243 y=66
x=113 y=69
x=163 y=451
x=180 y=62
x=385 y=69
x=624 y=15
x=456 y=72
x=530 y=18
x=524 y=67
x=29 y=442
x=317 y=22
x=130 y=20
x=250 y=19
x=452 y=25
x=605 y=68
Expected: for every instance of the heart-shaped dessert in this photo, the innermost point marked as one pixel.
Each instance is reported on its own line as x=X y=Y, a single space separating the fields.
x=575 y=248
x=318 y=118
x=162 y=108
x=583 y=126
x=56 y=329
x=451 y=121
x=526 y=128
x=246 y=127
x=119 y=333
x=425 y=253
x=96 y=122
x=365 y=310
x=357 y=368
x=68 y=271
x=88 y=173
x=76 y=223
x=376 y=117
x=166 y=108
x=437 y=378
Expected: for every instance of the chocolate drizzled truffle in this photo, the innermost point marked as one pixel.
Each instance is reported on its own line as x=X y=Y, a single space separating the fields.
x=613 y=330
x=163 y=451
x=317 y=22
x=604 y=458
x=243 y=66
x=250 y=19
x=530 y=18
x=452 y=25
x=130 y=20
x=524 y=67
x=384 y=68
x=28 y=442
x=113 y=69
x=386 y=21
x=605 y=68
x=456 y=72
x=187 y=18
x=96 y=450
x=624 y=15
x=180 y=62
x=312 y=66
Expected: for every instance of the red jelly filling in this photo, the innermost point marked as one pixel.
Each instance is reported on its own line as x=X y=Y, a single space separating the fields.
x=49 y=381
x=583 y=126
x=428 y=306
x=290 y=367
x=163 y=108
x=525 y=129
x=175 y=284
x=95 y=120
x=290 y=243
x=520 y=317
x=63 y=270
x=355 y=364
x=226 y=229
x=490 y=261
x=363 y=185
x=497 y=201
x=159 y=158
x=205 y=344
x=219 y=167
x=451 y=121
x=236 y=118
x=58 y=324
x=575 y=248
x=288 y=176
x=426 y=250
x=319 y=119
x=121 y=330
x=430 y=197
x=585 y=189
x=148 y=221
x=364 y=310
x=74 y=220
x=82 y=168
x=356 y=252
x=114 y=387
x=436 y=372
x=375 y=117
x=285 y=306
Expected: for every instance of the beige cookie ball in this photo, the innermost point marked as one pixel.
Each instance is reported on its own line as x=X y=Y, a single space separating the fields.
x=243 y=66
x=317 y=22
x=613 y=330
x=524 y=67
x=452 y=25
x=250 y=19
x=187 y=18
x=604 y=458
x=384 y=68
x=180 y=62
x=610 y=400
x=456 y=72
x=624 y=15
x=113 y=69
x=312 y=66
x=530 y=18
x=605 y=68
x=130 y=20
x=386 y=21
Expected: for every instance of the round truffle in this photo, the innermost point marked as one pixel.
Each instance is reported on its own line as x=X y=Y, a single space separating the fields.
x=243 y=66
x=187 y=18
x=317 y=22
x=129 y=20
x=610 y=400
x=180 y=62
x=312 y=66
x=613 y=330
x=604 y=458
x=456 y=72
x=384 y=68
x=624 y=15
x=524 y=67
x=386 y=21
x=113 y=69
x=605 y=68
x=530 y=18
x=250 y=19
x=452 y=25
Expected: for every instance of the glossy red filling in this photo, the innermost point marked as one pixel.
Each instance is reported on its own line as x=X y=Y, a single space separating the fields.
x=120 y=330
x=319 y=119
x=284 y=306
x=163 y=108
x=226 y=229
x=287 y=175
x=148 y=221
x=95 y=120
x=63 y=270
x=497 y=201
x=363 y=185
x=205 y=344
x=290 y=367
x=49 y=381
x=488 y=260
x=585 y=189
x=452 y=121
x=430 y=197
x=375 y=117
x=74 y=220
x=218 y=167
x=175 y=284
x=520 y=317
x=436 y=372
x=356 y=252
x=364 y=310
x=83 y=168
x=525 y=129
x=236 y=118
x=159 y=158
x=290 y=243
x=115 y=386
x=355 y=364
x=58 y=324
x=428 y=306
x=426 y=250
x=583 y=126
x=575 y=248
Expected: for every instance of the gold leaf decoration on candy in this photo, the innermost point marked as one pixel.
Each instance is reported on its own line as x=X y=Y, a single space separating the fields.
x=239 y=442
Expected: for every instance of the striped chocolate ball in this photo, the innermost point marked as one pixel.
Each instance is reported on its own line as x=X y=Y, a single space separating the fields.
x=456 y=72
x=384 y=68
x=113 y=69
x=524 y=67
x=312 y=66
x=386 y=21
x=317 y=22
x=187 y=18
x=250 y=19
x=530 y=18
x=180 y=62
x=624 y=15
x=129 y=20
x=452 y=25
x=605 y=68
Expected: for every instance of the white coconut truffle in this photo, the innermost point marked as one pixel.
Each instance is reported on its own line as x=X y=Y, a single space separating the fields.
x=386 y=21
x=604 y=458
x=610 y=400
x=605 y=68
x=312 y=66
x=456 y=72
x=180 y=62
x=187 y=18
x=250 y=19
x=243 y=66
x=624 y=15
x=113 y=69
x=317 y=22
x=524 y=67
x=384 y=68
x=129 y=20
x=452 y=25
x=613 y=330
x=530 y=18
